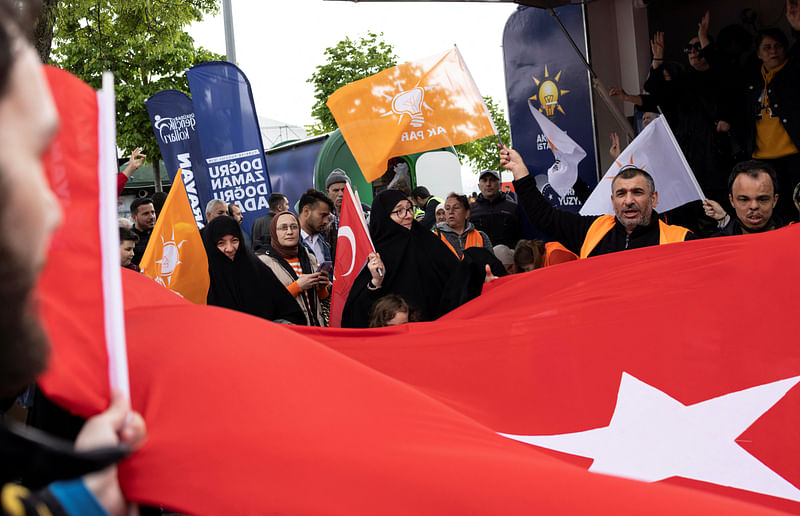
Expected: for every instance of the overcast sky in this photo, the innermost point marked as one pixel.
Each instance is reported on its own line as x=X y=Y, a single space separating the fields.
x=280 y=42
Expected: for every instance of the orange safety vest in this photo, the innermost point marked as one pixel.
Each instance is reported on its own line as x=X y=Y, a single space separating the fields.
x=603 y=224
x=555 y=253
x=474 y=239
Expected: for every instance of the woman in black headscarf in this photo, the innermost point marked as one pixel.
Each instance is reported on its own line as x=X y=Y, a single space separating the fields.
x=239 y=281
x=414 y=264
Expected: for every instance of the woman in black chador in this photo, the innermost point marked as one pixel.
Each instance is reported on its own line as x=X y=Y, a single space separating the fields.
x=240 y=281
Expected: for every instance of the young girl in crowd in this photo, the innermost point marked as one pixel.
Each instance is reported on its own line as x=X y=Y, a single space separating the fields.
x=391 y=310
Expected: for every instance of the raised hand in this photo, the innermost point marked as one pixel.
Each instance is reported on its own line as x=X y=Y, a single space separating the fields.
x=511 y=160
x=657 y=47
x=702 y=29
x=614 y=150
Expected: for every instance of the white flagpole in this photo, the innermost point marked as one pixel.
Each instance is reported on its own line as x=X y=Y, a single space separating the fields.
x=114 y=317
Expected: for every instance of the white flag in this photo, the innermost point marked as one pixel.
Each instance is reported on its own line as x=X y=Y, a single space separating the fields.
x=655 y=151
x=564 y=172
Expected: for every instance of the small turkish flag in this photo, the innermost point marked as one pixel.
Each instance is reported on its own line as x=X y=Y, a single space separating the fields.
x=80 y=292
x=353 y=246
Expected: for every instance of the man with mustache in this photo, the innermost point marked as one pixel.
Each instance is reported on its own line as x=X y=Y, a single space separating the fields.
x=634 y=223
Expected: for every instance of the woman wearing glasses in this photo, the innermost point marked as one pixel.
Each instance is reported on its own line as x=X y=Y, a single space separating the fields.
x=239 y=281
x=409 y=261
x=296 y=268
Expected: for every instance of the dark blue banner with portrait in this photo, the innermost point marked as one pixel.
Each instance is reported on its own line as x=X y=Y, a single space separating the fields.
x=230 y=137
x=542 y=66
x=175 y=128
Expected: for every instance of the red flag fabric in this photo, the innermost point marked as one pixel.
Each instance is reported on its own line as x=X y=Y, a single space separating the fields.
x=404 y=419
x=79 y=299
x=690 y=345
x=353 y=246
x=281 y=424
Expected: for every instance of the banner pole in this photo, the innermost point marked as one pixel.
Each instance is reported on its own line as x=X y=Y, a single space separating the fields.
x=598 y=85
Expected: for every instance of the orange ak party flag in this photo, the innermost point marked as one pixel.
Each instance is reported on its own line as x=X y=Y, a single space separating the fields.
x=175 y=256
x=413 y=107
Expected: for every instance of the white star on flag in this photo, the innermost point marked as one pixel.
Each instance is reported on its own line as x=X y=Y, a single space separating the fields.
x=652 y=437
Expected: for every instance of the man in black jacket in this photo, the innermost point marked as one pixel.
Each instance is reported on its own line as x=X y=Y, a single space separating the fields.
x=634 y=223
x=494 y=212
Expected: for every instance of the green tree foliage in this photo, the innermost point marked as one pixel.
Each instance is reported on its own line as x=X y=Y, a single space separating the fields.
x=144 y=44
x=482 y=154
x=346 y=62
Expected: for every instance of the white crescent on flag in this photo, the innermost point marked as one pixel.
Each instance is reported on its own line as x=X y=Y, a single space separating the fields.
x=347 y=232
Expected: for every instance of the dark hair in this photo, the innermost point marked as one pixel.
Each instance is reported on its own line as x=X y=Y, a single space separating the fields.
x=420 y=192
x=311 y=198
x=630 y=173
x=387 y=307
x=529 y=252
x=141 y=201
x=16 y=22
x=275 y=200
x=752 y=168
x=126 y=234
x=774 y=33
x=159 y=198
x=460 y=198
x=230 y=208
x=732 y=36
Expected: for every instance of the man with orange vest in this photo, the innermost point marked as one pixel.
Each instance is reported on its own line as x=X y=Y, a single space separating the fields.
x=634 y=223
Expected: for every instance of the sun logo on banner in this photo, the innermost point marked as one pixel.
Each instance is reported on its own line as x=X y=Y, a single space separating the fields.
x=409 y=102
x=549 y=94
x=170 y=258
x=622 y=167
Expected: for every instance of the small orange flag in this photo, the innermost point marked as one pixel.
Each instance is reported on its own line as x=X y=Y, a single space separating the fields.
x=175 y=256
x=413 y=107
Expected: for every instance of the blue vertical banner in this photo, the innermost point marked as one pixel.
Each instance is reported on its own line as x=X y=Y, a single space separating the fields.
x=175 y=127
x=542 y=66
x=230 y=137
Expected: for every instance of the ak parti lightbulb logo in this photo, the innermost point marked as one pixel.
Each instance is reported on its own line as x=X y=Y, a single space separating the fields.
x=409 y=102
x=549 y=94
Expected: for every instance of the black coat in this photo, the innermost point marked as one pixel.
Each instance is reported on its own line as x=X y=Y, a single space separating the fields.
x=245 y=284
x=418 y=266
x=498 y=218
x=783 y=97
x=571 y=229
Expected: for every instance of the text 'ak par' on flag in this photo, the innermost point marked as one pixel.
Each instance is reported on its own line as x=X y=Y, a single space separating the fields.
x=656 y=152
x=175 y=256
x=417 y=106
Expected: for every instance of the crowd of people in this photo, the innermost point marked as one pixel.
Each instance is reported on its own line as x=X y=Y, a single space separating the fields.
x=431 y=254
x=730 y=101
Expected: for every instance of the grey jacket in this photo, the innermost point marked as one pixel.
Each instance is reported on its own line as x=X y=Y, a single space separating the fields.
x=459 y=241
